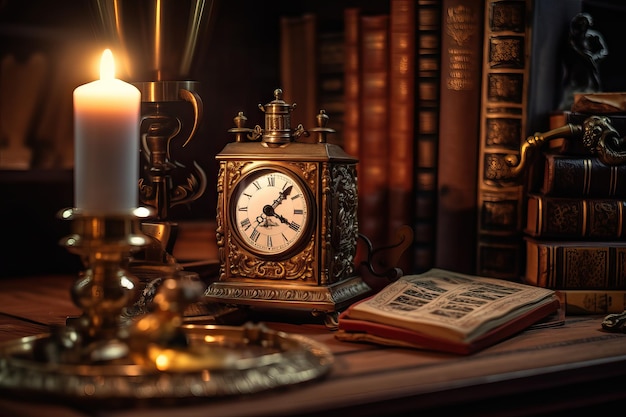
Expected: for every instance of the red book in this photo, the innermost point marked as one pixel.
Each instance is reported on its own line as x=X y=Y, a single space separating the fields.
x=446 y=311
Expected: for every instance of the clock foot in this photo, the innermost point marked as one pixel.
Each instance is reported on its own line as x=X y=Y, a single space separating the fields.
x=331 y=320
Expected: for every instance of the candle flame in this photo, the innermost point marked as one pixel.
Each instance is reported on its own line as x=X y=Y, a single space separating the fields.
x=107 y=65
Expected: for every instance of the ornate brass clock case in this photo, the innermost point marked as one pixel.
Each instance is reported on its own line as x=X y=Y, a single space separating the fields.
x=286 y=218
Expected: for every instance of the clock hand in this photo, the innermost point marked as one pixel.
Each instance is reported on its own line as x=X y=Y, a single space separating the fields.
x=263 y=220
x=282 y=195
x=281 y=218
x=269 y=211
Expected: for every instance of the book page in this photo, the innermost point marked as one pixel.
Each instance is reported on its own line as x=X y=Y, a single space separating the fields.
x=449 y=305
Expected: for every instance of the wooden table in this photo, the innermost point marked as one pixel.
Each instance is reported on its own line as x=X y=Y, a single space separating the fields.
x=573 y=367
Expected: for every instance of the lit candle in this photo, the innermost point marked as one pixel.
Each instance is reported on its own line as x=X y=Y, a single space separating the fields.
x=106 y=143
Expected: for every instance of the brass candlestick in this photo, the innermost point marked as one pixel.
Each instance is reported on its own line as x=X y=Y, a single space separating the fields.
x=98 y=357
x=105 y=288
x=158 y=43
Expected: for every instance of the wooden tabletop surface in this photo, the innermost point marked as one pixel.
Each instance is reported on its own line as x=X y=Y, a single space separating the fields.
x=573 y=365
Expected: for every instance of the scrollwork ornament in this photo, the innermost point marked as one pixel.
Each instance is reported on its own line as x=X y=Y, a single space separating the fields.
x=602 y=139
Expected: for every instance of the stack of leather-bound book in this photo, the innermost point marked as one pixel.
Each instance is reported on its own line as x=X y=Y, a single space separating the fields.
x=575 y=231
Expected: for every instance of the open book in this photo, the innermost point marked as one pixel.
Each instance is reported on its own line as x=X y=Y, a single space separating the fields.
x=446 y=311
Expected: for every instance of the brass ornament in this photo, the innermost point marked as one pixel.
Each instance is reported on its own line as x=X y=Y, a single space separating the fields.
x=315 y=274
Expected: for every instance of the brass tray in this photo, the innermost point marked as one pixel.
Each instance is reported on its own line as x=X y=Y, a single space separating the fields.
x=235 y=360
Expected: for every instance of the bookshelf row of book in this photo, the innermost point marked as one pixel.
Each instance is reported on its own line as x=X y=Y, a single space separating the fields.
x=389 y=83
x=434 y=97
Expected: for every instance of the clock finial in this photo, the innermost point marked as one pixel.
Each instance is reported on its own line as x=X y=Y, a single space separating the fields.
x=278 y=121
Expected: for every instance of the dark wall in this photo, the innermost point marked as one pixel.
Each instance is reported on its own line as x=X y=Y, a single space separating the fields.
x=237 y=65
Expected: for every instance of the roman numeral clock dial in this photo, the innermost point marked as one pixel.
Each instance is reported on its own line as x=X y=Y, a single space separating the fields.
x=271 y=212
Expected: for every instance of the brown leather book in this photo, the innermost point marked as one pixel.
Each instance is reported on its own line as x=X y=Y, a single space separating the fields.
x=575 y=218
x=576 y=264
x=576 y=176
x=584 y=302
x=373 y=170
x=401 y=125
x=352 y=89
x=461 y=63
x=504 y=89
x=428 y=40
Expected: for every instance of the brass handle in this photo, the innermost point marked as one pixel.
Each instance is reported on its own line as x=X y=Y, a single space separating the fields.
x=518 y=165
x=198 y=108
x=596 y=133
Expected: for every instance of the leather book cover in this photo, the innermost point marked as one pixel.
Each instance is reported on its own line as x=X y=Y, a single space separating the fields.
x=459 y=111
x=576 y=176
x=401 y=125
x=428 y=44
x=352 y=89
x=504 y=90
x=575 y=218
x=573 y=265
x=373 y=169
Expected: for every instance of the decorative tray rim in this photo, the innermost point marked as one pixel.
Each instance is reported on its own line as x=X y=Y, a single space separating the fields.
x=291 y=359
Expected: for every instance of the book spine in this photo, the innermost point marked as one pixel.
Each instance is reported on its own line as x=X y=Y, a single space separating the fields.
x=583 y=302
x=401 y=124
x=577 y=265
x=298 y=64
x=428 y=64
x=500 y=198
x=575 y=218
x=373 y=169
x=330 y=94
x=352 y=121
x=576 y=176
x=459 y=111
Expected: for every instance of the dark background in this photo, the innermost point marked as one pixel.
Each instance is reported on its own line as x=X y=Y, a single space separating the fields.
x=237 y=65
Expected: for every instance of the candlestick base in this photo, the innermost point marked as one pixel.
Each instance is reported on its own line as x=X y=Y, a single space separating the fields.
x=99 y=357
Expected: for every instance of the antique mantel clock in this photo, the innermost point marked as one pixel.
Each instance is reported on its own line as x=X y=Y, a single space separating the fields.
x=286 y=218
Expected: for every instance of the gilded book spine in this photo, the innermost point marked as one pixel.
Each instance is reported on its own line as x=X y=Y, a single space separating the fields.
x=401 y=120
x=575 y=218
x=428 y=64
x=581 y=302
x=576 y=265
x=576 y=176
x=461 y=63
x=502 y=126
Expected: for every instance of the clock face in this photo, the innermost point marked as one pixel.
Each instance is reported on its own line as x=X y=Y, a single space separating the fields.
x=270 y=210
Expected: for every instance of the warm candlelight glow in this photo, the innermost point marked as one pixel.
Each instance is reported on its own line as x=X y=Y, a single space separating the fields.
x=107 y=65
x=106 y=123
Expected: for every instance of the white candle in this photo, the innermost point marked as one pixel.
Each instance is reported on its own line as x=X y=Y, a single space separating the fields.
x=106 y=143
